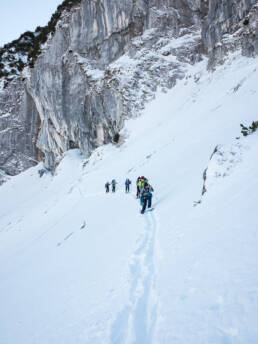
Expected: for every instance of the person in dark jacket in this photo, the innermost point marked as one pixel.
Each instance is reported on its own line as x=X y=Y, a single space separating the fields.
x=146 y=197
x=107 y=187
x=127 y=185
x=138 y=187
x=113 y=183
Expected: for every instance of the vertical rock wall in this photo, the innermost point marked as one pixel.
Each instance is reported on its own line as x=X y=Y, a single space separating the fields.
x=76 y=96
x=19 y=125
x=72 y=105
x=237 y=18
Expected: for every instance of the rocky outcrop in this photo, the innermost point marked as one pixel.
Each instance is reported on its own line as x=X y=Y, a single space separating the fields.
x=81 y=98
x=19 y=124
x=223 y=162
x=230 y=24
x=103 y=60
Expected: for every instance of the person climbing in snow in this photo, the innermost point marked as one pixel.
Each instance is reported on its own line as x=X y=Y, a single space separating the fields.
x=140 y=186
x=127 y=185
x=113 y=183
x=107 y=187
x=146 y=197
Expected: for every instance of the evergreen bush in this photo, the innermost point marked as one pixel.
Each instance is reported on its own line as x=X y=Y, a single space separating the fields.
x=249 y=130
x=29 y=43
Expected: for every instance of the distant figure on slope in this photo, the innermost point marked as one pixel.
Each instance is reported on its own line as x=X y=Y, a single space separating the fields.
x=127 y=185
x=146 y=197
x=107 y=187
x=113 y=183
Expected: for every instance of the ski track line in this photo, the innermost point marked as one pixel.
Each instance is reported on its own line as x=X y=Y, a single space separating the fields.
x=136 y=322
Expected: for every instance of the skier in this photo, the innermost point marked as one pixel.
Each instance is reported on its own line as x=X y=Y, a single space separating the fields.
x=113 y=183
x=107 y=187
x=127 y=185
x=146 y=196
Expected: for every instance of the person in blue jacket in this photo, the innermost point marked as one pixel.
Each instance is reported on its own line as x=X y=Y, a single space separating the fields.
x=127 y=185
x=146 y=197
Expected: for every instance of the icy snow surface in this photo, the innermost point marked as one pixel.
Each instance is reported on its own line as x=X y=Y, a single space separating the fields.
x=79 y=266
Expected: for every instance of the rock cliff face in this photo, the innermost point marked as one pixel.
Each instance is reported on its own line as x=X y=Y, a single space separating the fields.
x=19 y=124
x=230 y=24
x=105 y=60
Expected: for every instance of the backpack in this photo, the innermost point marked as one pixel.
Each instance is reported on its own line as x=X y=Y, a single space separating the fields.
x=141 y=184
x=146 y=193
x=146 y=182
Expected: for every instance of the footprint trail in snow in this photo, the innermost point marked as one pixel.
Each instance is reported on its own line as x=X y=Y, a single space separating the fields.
x=136 y=322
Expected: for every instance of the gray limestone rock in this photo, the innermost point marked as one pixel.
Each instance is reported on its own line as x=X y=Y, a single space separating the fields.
x=19 y=125
x=105 y=60
x=80 y=102
x=230 y=24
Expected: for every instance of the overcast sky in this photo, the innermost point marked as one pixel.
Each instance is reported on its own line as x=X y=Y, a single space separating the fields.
x=18 y=16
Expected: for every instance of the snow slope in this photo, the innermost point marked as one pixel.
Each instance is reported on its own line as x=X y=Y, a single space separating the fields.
x=81 y=266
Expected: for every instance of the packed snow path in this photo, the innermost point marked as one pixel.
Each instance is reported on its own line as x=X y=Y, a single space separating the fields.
x=79 y=266
x=135 y=323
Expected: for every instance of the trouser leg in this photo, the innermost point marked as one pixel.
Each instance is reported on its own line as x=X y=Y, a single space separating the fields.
x=144 y=205
x=149 y=201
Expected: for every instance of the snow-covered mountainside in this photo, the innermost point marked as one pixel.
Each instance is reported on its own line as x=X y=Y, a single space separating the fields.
x=79 y=90
x=79 y=266
x=97 y=62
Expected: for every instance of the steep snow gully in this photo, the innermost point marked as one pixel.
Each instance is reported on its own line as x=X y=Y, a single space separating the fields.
x=79 y=266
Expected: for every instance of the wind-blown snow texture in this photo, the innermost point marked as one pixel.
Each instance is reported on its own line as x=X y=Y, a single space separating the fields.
x=81 y=266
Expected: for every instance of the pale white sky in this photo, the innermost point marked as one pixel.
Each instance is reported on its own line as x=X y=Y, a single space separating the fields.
x=18 y=16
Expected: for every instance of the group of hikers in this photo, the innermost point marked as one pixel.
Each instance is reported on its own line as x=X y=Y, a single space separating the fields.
x=113 y=184
x=144 y=190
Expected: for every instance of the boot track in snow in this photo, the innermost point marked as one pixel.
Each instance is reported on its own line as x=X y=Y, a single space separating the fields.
x=136 y=322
